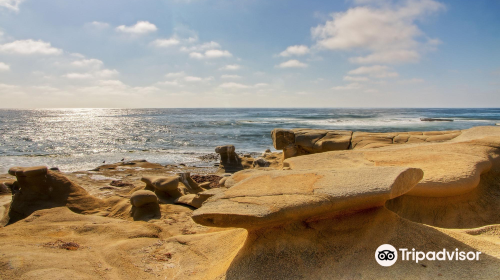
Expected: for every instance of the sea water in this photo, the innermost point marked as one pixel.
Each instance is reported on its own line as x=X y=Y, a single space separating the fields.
x=81 y=139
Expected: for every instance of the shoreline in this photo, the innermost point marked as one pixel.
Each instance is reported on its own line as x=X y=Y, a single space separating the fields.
x=347 y=190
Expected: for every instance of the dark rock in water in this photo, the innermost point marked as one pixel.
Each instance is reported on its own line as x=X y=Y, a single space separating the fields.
x=55 y=169
x=435 y=120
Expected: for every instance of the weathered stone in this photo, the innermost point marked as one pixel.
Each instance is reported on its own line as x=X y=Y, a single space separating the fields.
x=229 y=160
x=38 y=188
x=282 y=138
x=143 y=197
x=260 y=162
x=28 y=171
x=276 y=197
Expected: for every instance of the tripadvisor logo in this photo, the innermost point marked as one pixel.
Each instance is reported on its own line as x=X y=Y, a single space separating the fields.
x=387 y=255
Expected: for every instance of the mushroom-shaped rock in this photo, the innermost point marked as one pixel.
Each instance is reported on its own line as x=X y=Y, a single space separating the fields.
x=39 y=188
x=28 y=171
x=229 y=161
x=277 y=197
x=143 y=197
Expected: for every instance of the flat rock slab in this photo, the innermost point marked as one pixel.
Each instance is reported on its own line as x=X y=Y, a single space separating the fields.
x=450 y=168
x=28 y=171
x=275 y=197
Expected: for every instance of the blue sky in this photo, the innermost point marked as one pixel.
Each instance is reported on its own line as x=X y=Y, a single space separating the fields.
x=249 y=53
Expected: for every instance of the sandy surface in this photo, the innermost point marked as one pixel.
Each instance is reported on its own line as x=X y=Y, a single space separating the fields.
x=108 y=242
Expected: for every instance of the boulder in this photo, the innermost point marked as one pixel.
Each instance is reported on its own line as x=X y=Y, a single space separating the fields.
x=143 y=197
x=261 y=162
x=230 y=162
x=4 y=189
x=167 y=187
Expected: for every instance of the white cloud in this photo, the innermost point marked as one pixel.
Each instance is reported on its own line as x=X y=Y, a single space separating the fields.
x=9 y=89
x=233 y=86
x=141 y=27
x=106 y=73
x=91 y=63
x=175 y=74
x=170 y=83
x=388 y=32
x=196 y=55
x=217 y=54
x=29 y=47
x=210 y=54
x=356 y=79
x=377 y=71
x=390 y=56
x=295 y=50
x=230 y=77
x=202 y=47
x=165 y=43
x=197 y=79
x=351 y=86
x=259 y=85
x=231 y=67
x=77 y=55
x=293 y=63
x=4 y=67
x=101 y=74
x=79 y=76
x=11 y=4
x=98 y=25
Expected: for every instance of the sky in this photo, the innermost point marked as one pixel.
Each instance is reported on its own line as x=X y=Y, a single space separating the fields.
x=249 y=53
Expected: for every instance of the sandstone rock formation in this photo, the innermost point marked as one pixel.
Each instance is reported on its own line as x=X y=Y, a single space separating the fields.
x=229 y=161
x=297 y=142
x=180 y=189
x=143 y=197
x=145 y=205
x=321 y=217
x=268 y=198
x=40 y=188
x=452 y=174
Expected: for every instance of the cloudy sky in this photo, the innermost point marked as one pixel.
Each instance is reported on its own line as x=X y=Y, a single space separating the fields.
x=249 y=53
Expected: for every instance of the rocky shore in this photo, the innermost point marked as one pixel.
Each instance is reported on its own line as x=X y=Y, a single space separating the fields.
x=317 y=210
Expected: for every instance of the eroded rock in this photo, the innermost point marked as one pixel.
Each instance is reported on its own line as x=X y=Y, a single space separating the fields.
x=40 y=188
x=268 y=198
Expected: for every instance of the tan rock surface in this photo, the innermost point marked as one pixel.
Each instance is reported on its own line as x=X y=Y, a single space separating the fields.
x=276 y=197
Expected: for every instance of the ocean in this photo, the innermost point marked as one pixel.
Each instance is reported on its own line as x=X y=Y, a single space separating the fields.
x=81 y=139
